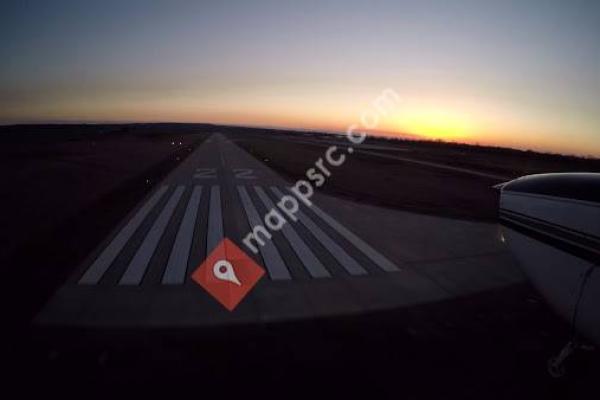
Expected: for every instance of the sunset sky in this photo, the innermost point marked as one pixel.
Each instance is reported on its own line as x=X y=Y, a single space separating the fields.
x=512 y=73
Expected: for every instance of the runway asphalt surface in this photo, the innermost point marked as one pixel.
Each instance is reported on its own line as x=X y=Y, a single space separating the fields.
x=357 y=299
x=339 y=258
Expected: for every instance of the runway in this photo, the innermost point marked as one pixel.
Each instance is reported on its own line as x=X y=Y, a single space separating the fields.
x=339 y=258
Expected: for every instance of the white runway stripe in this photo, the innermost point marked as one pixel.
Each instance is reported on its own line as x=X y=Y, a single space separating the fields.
x=139 y=263
x=215 y=220
x=273 y=261
x=95 y=272
x=370 y=252
x=304 y=253
x=345 y=260
x=180 y=253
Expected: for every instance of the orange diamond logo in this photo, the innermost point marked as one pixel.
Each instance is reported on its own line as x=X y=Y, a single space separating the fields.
x=228 y=274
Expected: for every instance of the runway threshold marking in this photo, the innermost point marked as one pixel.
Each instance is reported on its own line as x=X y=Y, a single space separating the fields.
x=95 y=272
x=139 y=263
x=310 y=261
x=341 y=256
x=215 y=220
x=175 y=271
x=377 y=258
x=273 y=262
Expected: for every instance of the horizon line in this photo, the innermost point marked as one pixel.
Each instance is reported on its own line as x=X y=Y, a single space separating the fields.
x=401 y=136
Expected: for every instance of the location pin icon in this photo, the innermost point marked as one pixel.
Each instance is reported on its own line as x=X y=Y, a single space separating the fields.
x=223 y=270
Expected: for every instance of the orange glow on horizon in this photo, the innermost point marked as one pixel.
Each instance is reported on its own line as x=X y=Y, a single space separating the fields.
x=431 y=122
x=436 y=119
